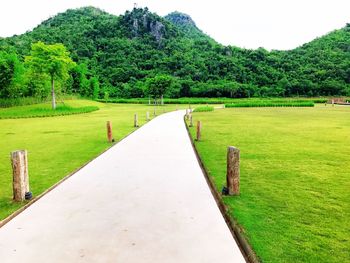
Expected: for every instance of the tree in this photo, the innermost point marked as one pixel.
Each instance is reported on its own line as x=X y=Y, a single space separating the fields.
x=10 y=71
x=158 y=85
x=52 y=60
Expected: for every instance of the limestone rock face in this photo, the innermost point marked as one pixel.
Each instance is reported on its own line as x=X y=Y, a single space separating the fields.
x=141 y=21
x=157 y=30
x=180 y=19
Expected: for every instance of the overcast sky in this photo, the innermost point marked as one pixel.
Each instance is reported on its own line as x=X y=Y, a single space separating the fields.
x=272 y=24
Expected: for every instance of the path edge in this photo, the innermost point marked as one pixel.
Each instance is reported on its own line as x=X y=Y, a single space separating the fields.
x=37 y=198
x=235 y=228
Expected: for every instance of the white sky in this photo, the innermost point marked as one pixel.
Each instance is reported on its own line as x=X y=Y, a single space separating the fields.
x=272 y=24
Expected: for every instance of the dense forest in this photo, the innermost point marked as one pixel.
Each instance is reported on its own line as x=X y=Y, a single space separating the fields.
x=121 y=56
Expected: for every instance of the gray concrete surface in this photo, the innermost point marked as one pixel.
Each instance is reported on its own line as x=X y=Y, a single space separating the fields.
x=144 y=200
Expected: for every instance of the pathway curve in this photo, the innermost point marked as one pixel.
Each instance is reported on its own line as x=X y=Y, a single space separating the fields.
x=144 y=200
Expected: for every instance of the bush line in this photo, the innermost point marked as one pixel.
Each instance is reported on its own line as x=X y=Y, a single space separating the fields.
x=271 y=104
x=215 y=100
x=46 y=112
x=204 y=109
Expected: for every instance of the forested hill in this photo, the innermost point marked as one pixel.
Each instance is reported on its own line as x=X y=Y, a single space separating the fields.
x=124 y=51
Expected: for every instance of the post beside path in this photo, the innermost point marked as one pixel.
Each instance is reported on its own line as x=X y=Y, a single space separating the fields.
x=136 y=124
x=109 y=132
x=232 y=174
x=19 y=162
x=199 y=130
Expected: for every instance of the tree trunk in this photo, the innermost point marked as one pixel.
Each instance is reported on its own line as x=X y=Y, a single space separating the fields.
x=232 y=172
x=53 y=93
x=20 y=174
x=162 y=100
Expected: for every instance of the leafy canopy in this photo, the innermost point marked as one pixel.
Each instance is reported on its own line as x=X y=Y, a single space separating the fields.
x=52 y=59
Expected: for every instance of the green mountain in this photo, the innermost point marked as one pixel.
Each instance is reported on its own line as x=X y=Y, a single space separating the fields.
x=124 y=51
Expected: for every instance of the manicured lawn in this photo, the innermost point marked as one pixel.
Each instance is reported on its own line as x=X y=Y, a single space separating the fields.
x=295 y=178
x=59 y=145
x=43 y=110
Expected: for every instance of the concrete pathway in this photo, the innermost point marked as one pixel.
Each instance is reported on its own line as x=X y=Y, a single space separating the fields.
x=144 y=200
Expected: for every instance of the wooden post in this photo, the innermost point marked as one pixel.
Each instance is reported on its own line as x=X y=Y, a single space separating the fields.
x=186 y=114
x=135 y=120
x=147 y=116
x=191 y=121
x=20 y=174
x=199 y=128
x=232 y=174
x=154 y=109
x=109 y=132
x=332 y=102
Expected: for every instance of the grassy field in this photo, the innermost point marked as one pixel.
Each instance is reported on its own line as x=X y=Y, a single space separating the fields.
x=59 y=145
x=43 y=110
x=295 y=180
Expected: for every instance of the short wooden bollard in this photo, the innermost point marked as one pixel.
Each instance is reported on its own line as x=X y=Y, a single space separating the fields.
x=20 y=174
x=199 y=129
x=147 y=116
x=232 y=174
x=136 y=124
x=109 y=132
x=191 y=121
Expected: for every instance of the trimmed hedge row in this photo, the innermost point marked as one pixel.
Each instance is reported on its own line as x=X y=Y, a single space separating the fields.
x=214 y=100
x=271 y=104
x=16 y=113
x=203 y=109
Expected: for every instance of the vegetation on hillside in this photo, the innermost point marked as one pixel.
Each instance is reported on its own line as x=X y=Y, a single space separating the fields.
x=116 y=56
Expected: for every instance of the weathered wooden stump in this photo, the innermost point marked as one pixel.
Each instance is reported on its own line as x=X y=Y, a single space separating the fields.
x=136 y=124
x=109 y=132
x=19 y=162
x=199 y=130
x=232 y=174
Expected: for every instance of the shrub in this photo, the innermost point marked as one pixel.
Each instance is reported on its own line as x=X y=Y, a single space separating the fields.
x=203 y=109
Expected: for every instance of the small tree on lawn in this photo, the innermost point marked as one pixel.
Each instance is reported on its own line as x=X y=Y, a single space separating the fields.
x=52 y=60
x=158 y=85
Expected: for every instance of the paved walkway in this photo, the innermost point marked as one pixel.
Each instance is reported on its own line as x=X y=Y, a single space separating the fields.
x=144 y=200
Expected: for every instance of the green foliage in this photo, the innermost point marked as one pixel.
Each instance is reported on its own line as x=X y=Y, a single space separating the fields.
x=125 y=52
x=10 y=75
x=5 y=103
x=49 y=60
x=157 y=86
x=203 y=109
x=52 y=60
x=263 y=103
x=43 y=110
x=218 y=100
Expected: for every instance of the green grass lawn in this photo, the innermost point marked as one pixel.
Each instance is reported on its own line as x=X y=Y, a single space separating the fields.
x=295 y=178
x=59 y=145
x=43 y=110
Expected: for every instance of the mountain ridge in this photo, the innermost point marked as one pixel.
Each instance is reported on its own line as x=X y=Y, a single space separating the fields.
x=123 y=51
